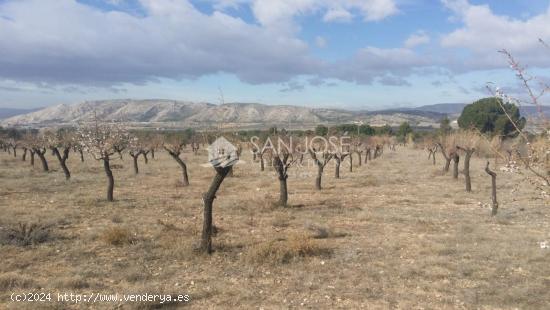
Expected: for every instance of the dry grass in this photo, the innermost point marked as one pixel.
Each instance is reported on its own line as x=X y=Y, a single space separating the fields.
x=12 y=280
x=117 y=236
x=295 y=247
x=391 y=234
x=24 y=234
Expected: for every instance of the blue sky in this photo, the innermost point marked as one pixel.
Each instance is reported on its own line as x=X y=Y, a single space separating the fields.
x=356 y=54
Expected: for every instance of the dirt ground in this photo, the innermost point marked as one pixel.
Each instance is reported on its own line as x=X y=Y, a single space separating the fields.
x=393 y=234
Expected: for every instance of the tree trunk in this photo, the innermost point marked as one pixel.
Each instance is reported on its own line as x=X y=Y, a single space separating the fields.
x=433 y=156
x=110 y=179
x=494 y=207
x=185 y=177
x=456 y=160
x=360 y=159
x=136 y=167
x=15 y=151
x=63 y=161
x=145 y=158
x=81 y=155
x=208 y=200
x=153 y=153
x=42 y=156
x=281 y=167
x=319 y=177
x=262 y=167
x=337 y=168
x=448 y=158
x=24 y=157
x=447 y=164
x=283 y=192
x=467 y=178
x=350 y=162
x=32 y=158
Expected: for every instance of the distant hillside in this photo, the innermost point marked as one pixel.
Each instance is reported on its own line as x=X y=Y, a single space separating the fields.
x=10 y=112
x=169 y=113
x=445 y=108
x=455 y=109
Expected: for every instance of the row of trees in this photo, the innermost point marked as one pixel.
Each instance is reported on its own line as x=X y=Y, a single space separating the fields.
x=106 y=142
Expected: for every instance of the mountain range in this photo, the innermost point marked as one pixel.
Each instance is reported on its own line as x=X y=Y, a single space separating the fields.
x=10 y=112
x=180 y=114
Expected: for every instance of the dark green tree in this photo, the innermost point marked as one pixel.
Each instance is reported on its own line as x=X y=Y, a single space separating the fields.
x=346 y=128
x=403 y=131
x=321 y=130
x=384 y=130
x=488 y=116
x=445 y=126
x=367 y=130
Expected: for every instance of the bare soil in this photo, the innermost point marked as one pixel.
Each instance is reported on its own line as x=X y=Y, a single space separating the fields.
x=394 y=234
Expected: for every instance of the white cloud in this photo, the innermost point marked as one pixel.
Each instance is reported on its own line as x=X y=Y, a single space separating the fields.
x=320 y=42
x=416 y=39
x=337 y=15
x=484 y=33
x=371 y=62
x=60 y=41
x=67 y=42
x=280 y=13
x=225 y=4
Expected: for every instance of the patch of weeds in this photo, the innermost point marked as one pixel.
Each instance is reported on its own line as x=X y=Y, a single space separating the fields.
x=25 y=234
x=320 y=232
x=168 y=226
x=294 y=248
x=371 y=182
x=281 y=220
x=438 y=173
x=13 y=280
x=460 y=202
x=117 y=236
x=72 y=283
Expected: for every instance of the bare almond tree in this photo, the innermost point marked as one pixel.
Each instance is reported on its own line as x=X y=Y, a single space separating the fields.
x=38 y=145
x=77 y=148
x=135 y=149
x=448 y=157
x=340 y=150
x=14 y=145
x=357 y=148
x=175 y=145
x=260 y=155
x=102 y=141
x=222 y=158
x=61 y=143
x=467 y=142
x=494 y=207
x=536 y=159
x=368 y=153
x=27 y=143
x=456 y=160
x=284 y=154
x=321 y=156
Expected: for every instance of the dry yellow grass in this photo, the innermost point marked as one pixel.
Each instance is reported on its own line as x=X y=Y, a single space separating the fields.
x=393 y=234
